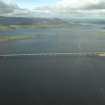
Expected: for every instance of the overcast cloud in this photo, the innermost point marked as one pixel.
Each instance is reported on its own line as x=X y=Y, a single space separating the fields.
x=63 y=7
x=81 y=4
x=76 y=8
x=7 y=7
x=10 y=8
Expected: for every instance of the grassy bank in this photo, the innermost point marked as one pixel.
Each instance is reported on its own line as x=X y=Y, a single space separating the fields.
x=102 y=54
x=14 y=38
x=28 y=26
x=14 y=27
x=5 y=27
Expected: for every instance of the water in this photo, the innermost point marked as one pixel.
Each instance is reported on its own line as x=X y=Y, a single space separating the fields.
x=54 y=80
x=59 y=40
x=67 y=78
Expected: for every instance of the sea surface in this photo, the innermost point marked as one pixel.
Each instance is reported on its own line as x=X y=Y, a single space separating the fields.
x=62 y=77
x=54 y=80
x=67 y=39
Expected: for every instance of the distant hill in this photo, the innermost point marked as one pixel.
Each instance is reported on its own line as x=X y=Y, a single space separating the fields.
x=19 y=21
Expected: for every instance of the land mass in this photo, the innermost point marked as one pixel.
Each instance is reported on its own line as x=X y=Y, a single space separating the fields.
x=12 y=23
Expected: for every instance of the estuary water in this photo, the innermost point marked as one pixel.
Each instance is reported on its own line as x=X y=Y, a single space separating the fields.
x=70 y=39
x=68 y=78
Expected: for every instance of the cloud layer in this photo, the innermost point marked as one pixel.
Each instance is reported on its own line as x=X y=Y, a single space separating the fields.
x=70 y=8
x=81 y=4
x=7 y=7
x=10 y=8
x=75 y=8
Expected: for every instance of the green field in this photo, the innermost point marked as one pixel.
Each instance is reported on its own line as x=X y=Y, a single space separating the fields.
x=28 y=26
x=4 y=27
x=14 y=38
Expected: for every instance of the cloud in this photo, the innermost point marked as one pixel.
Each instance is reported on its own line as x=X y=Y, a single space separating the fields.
x=73 y=5
x=81 y=8
x=76 y=8
x=10 y=8
x=7 y=7
x=80 y=4
x=67 y=8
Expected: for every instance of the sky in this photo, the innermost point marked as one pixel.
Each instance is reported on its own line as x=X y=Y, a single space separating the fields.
x=67 y=8
x=30 y=4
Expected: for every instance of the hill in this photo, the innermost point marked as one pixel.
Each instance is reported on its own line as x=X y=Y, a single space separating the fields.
x=19 y=21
